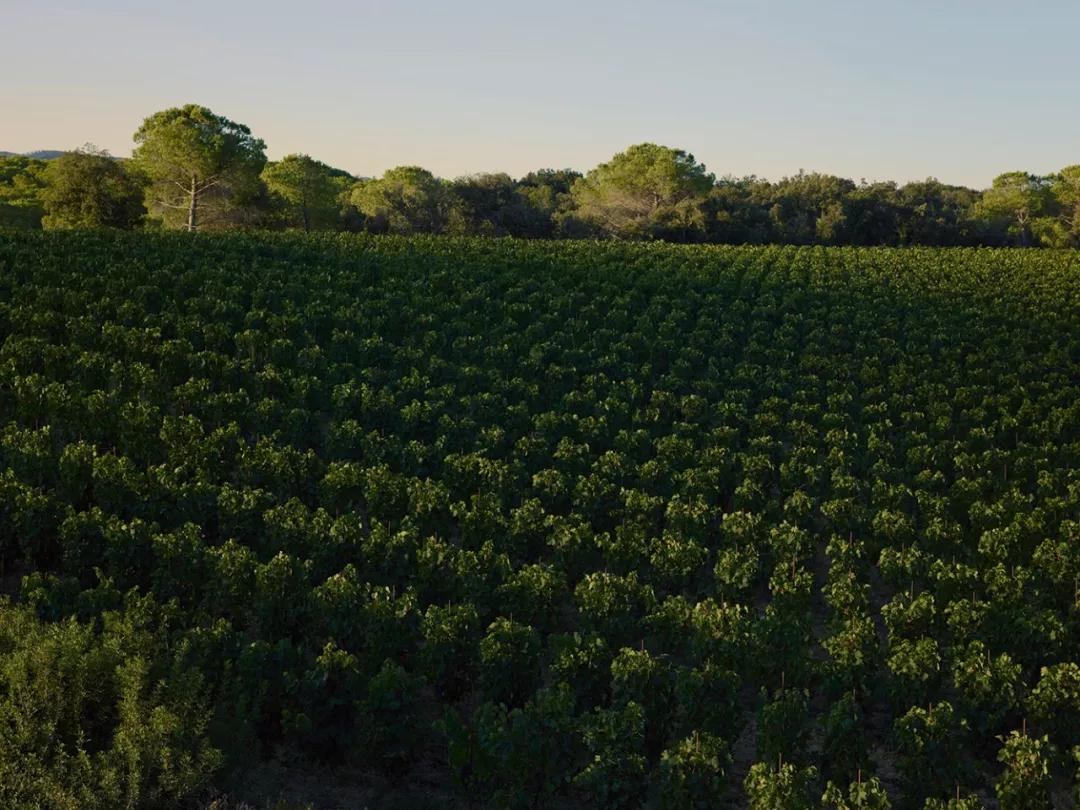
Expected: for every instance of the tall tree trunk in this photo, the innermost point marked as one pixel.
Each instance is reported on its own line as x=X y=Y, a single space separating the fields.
x=193 y=208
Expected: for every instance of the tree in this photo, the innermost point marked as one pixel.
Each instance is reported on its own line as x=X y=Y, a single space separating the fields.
x=559 y=181
x=646 y=191
x=487 y=204
x=22 y=180
x=548 y=202
x=872 y=214
x=932 y=213
x=1065 y=187
x=407 y=199
x=306 y=189
x=88 y=189
x=197 y=162
x=808 y=208
x=734 y=214
x=1016 y=198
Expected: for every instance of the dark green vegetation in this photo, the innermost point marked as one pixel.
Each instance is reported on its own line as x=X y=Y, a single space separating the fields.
x=537 y=524
x=196 y=170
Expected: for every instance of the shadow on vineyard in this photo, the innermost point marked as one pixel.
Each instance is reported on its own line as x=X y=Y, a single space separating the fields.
x=341 y=521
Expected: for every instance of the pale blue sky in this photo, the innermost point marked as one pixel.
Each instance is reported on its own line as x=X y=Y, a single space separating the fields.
x=959 y=90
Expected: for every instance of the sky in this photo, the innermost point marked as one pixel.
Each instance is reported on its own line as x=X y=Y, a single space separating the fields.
x=897 y=90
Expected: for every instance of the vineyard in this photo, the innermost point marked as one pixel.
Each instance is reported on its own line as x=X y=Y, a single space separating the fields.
x=494 y=523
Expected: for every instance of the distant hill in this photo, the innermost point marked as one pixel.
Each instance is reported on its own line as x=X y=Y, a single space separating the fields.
x=40 y=154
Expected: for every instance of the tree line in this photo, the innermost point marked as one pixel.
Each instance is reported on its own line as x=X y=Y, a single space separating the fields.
x=193 y=169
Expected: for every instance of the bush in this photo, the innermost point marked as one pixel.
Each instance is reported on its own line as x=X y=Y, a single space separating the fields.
x=782 y=725
x=1025 y=783
x=932 y=744
x=693 y=773
x=93 y=719
x=868 y=795
x=617 y=772
x=509 y=661
x=1055 y=702
x=785 y=786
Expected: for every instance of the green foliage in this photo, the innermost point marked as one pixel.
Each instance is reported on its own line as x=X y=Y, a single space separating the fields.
x=707 y=698
x=616 y=771
x=844 y=741
x=449 y=650
x=372 y=481
x=534 y=593
x=768 y=787
x=99 y=719
x=1017 y=198
x=1026 y=780
x=963 y=803
x=583 y=662
x=306 y=190
x=782 y=725
x=614 y=605
x=22 y=181
x=736 y=570
x=643 y=191
x=521 y=758
x=388 y=717
x=638 y=677
x=1054 y=703
x=987 y=686
x=407 y=199
x=693 y=772
x=853 y=654
x=218 y=179
x=88 y=189
x=915 y=668
x=869 y=795
x=1076 y=758
x=509 y=661
x=324 y=702
x=932 y=743
x=1065 y=186
x=809 y=207
x=496 y=205
x=200 y=165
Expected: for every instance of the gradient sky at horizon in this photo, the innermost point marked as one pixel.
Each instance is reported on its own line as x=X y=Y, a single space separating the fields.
x=959 y=90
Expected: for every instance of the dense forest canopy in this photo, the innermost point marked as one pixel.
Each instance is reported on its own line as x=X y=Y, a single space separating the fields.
x=197 y=170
